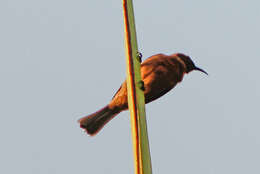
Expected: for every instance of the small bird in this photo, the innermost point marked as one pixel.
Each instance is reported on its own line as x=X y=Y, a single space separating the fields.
x=160 y=73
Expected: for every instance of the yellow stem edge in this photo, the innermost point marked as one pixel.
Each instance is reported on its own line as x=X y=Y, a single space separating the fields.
x=136 y=104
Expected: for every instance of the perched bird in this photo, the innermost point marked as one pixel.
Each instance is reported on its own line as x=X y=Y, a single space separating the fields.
x=160 y=73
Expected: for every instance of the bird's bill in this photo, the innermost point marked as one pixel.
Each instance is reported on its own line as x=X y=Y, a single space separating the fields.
x=199 y=69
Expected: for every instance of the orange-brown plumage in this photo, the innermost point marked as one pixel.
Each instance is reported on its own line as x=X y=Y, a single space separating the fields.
x=160 y=74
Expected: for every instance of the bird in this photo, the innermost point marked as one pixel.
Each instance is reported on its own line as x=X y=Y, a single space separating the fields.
x=160 y=73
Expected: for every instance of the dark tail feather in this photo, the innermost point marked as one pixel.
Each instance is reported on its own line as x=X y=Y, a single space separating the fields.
x=95 y=122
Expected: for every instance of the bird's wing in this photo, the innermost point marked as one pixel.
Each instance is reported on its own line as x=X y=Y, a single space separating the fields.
x=147 y=67
x=150 y=64
x=159 y=82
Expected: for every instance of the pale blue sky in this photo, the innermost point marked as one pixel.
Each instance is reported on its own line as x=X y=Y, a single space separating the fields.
x=60 y=60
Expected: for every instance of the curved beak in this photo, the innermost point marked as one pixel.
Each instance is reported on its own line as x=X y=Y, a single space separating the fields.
x=199 y=69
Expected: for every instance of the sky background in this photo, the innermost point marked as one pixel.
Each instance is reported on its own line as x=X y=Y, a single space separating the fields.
x=61 y=60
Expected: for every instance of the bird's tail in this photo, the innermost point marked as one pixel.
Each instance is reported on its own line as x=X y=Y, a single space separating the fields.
x=95 y=122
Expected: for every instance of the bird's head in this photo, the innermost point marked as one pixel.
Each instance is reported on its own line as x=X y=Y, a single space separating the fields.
x=190 y=66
